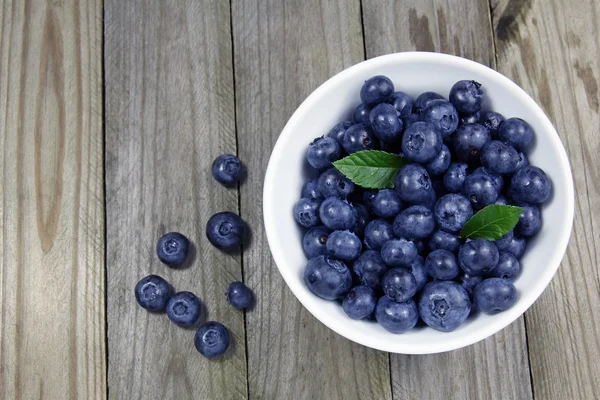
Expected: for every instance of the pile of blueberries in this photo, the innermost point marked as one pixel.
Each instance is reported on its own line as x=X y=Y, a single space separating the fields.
x=396 y=254
x=225 y=230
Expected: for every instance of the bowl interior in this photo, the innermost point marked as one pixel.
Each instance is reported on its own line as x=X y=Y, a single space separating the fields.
x=413 y=73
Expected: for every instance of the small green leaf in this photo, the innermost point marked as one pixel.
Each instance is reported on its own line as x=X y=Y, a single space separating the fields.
x=491 y=222
x=371 y=169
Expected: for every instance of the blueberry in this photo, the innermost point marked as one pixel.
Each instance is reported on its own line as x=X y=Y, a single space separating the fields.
x=212 y=339
x=399 y=285
x=480 y=189
x=377 y=89
x=452 y=211
x=516 y=133
x=377 y=232
x=494 y=295
x=530 y=221
x=523 y=161
x=455 y=176
x=440 y=163
x=357 y=138
x=478 y=257
x=502 y=200
x=508 y=267
x=333 y=183
x=152 y=293
x=416 y=222
x=238 y=295
x=517 y=247
x=362 y=219
x=306 y=212
x=499 y=158
x=227 y=169
x=424 y=99
x=396 y=317
x=442 y=115
x=310 y=190
x=492 y=121
x=421 y=142
x=468 y=141
x=337 y=132
x=327 y=277
x=410 y=119
x=470 y=118
x=183 y=308
x=403 y=104
x=466 y=96
x=444 y=240
x=314 y=242
x=384 y=203
x=172 y=249
x=399 y=252
x=337 y=214
x=385 y=123
x=225 y=230
x=504 y=242
x=322 y=152
x=417 y=268
x=344 y=245
x=444 y=305
x=441 y=264
x=498 y=179
x=370 y=268
x=359 y=302
x=530 y=185
x=361 y=116
x=469 y=282
x=413 y=184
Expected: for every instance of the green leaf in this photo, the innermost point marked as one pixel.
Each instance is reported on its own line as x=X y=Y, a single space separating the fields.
x=371 y=169
x=491 y=222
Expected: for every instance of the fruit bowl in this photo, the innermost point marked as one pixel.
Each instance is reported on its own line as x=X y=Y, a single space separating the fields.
x=414 y=73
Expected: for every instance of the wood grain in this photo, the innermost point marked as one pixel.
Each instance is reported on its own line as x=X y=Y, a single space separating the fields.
x=52 y=321
x=547 y=48
x=283 y=51
x=169 y=113
x=496 y=368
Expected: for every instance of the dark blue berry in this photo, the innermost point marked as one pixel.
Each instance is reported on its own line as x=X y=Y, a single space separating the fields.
x=396 y=317
x=377 y=232
x=403 y=104
x=517 y=247
x=480 y=189
x=444 y=240
x=417 y=268
x=172 y=249
x=469 y=282
x=415 y=222
x=225 y=230
x=444 y=305
x=310 y=190
x=530 y=185
x=314 y=242
x=530 y=221
x=492 y=121
x=361 y=116
x=523 y=161
x=322 y=152
x=359 y=302
x=337 y=132
x=362 y=219
x=441 y=264
x=421 y=142
x=498 y=180
x=442 y=115
x=478 y=257
x=344 y=245
x=516 y=133
x=327 y=277
x=502 y=200
x=466 y=96
x=452 y=211
x=227 y=169
x=455 y=176
x=337 y=214
x=370 y=268
x=410 y=119
x=468 y=141
x=183 y=308
x=503 y=243
x=377 y=89
x=424 y=99
x=508 y=267
x=399 y=285
x=384 y=203
x=357 y=138
x=440 y=163
x=385 y=123
x=212 y=339
x=306 y=212
x=238 y=295
x=499 y=158
x=470 y=118
x=494 y=295
x=413 y=184
x=152 y=293
x=333 y=183
x=399 y=253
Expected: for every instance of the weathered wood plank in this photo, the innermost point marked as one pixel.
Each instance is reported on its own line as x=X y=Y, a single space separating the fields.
x=497 y=367
x=549 y=49
x=283 y=51
x=52 y=331
x=169 y=113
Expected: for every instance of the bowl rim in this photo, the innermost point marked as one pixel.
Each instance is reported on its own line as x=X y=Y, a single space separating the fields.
x=526 y=300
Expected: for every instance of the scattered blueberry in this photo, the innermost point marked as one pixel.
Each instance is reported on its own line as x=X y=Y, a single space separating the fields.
x=310 y=190
x=314 y=242
x=399 y=285
x=153 y=293
x=442 y=115
x=172 y=249
x=421 y=142
x=337 y=214
x=359 y=302
x=227 y=169
x=530 y=185
x=238 y=295
x=517 y=247
x=508 y=267
x=212 y=339
x=441 y=264
x=499 y=158
x=333 y=183
x=337 y=132
x=377 y=232
x=452 y=211
x=455 y=177
x=361 y=116
x=478 y=257
x=424 y=99
x=530 y=221
x=415 y=222
x=440 y=163
x=444 y=305
x=306 y=212
x=492 y=121
x=322 y=152
x=370 y=268
x=480 y=189
x=444 y=240
x=403 y=104
x=183 y=308
x=357 y=138
x=413 y=184
x=396 y=317
x=344 y=245
x=494 y=295
x=327 y=277
x=516 y=133
x=377 y=89
x=384 y=121
x=384 y=203
x=225 y=230
x=466 y=96
x=399 y=253
x=468 y=140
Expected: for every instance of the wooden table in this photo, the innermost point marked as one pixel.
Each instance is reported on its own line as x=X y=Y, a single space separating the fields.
x=110 y=116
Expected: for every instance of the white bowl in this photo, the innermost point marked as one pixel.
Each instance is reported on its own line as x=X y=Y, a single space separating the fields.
x=414 y=73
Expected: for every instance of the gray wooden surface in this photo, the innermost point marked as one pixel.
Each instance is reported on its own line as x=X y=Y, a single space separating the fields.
x=187 y=80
